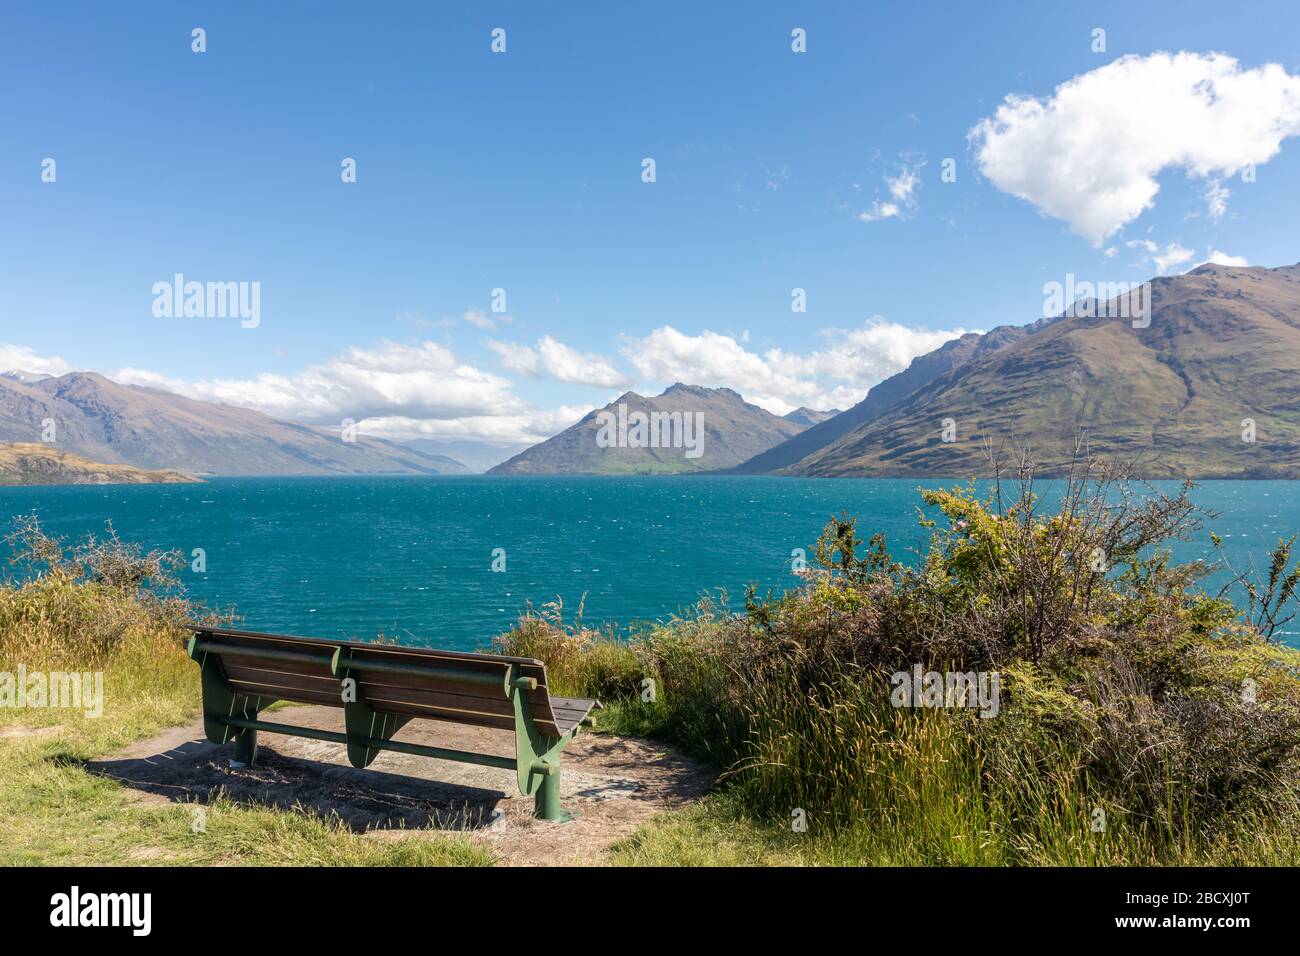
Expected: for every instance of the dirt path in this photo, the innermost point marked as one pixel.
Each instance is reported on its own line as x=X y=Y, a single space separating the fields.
x=615 y=783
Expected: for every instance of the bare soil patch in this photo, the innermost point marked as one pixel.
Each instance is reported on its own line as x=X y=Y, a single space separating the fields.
x=616 y=784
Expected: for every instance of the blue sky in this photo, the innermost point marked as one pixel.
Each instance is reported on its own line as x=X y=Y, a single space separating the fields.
x=522 y=170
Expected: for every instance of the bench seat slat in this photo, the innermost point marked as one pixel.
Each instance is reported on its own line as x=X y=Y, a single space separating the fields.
x=295 y=694
x=499 y=705
x=436 y=694
x=281 y=678
x=258 y=638
x=473 y=718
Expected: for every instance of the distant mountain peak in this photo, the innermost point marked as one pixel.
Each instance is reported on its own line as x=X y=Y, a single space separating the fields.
x=1215 y=360
x=681 y=388
x=27 y=378
x=105 y=421
x=731 y=431
x=803 y=415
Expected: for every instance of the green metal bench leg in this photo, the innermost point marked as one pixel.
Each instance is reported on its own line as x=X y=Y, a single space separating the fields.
x=537 y=758
x=546 y=804
x=245 y=748
x=221 y=700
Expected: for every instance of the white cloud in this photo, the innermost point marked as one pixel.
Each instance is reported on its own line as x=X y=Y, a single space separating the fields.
x=560 y=362
x=422 y=389
x=422 y=381
x=517 y=358
x=1223 y=259
x=1172 y=255
x=20 y=358
x=1216 y=199
x=1089 y=154
x=528 y=427
x=880 y=210
x=836 y=376
x=902 y=190
x=480 y=319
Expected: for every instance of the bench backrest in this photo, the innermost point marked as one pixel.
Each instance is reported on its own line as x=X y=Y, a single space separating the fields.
x=408 y=681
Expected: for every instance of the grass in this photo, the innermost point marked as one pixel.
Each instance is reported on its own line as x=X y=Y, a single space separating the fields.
x=1124 y=736
x=54 y=812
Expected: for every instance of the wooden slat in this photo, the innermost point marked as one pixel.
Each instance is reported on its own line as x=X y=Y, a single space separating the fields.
x=221 y=633
x=296 y=694
x=472 y=718
x=433 y=682
x=414 y=694
x=387 y=691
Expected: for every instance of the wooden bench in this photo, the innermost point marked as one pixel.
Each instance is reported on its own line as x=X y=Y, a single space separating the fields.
x=379 y=688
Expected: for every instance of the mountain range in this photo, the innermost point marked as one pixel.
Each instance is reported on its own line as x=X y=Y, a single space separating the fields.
x=1208 y=387
x=731 y=431
x=106 y=422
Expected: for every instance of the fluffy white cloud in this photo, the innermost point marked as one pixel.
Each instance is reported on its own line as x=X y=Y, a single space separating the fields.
x=560 y=362
x=835 y=376
x=393 y=390
x=1223 y=259
x=902 y=192
x=1172 y=255
x=422 y=381
x=20 y=358
x=1090 y=153
x=529 y=427
x=1217 y=258
x=517 y=358
x=423 y=389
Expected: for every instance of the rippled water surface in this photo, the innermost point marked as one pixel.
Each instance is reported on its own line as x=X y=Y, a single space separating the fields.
x=412 y=557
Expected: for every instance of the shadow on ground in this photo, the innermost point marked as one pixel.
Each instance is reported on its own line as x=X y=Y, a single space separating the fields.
x=614 y=783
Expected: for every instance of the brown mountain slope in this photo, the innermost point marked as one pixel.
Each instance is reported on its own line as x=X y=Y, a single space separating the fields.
x=922 y=370
x=734 y=430
x=149 y=428
x=1223 y=346
x=36 y=463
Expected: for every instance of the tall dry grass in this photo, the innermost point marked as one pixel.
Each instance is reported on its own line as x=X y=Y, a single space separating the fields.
x=1125 y=733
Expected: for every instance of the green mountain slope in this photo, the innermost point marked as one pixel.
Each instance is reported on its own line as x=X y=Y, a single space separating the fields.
x=1223 y=346
x=922 y=370
x=733 y=431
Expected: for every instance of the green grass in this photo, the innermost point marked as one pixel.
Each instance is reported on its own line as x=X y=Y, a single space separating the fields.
x=1132 y=706
x=1129 y=712
x=54 y=812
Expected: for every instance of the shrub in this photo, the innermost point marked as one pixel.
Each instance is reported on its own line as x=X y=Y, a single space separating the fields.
x=1124 y=684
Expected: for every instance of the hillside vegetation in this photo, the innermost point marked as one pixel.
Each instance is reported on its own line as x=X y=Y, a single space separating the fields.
x=35 y=463
x=102 y=605
x=1136 y=718
x=1140 y=719
x=1210 y=388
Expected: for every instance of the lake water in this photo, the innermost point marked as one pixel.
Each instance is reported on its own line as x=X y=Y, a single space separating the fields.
x=412 y=557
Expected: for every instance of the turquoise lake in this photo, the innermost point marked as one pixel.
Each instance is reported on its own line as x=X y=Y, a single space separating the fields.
x=412 y=557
